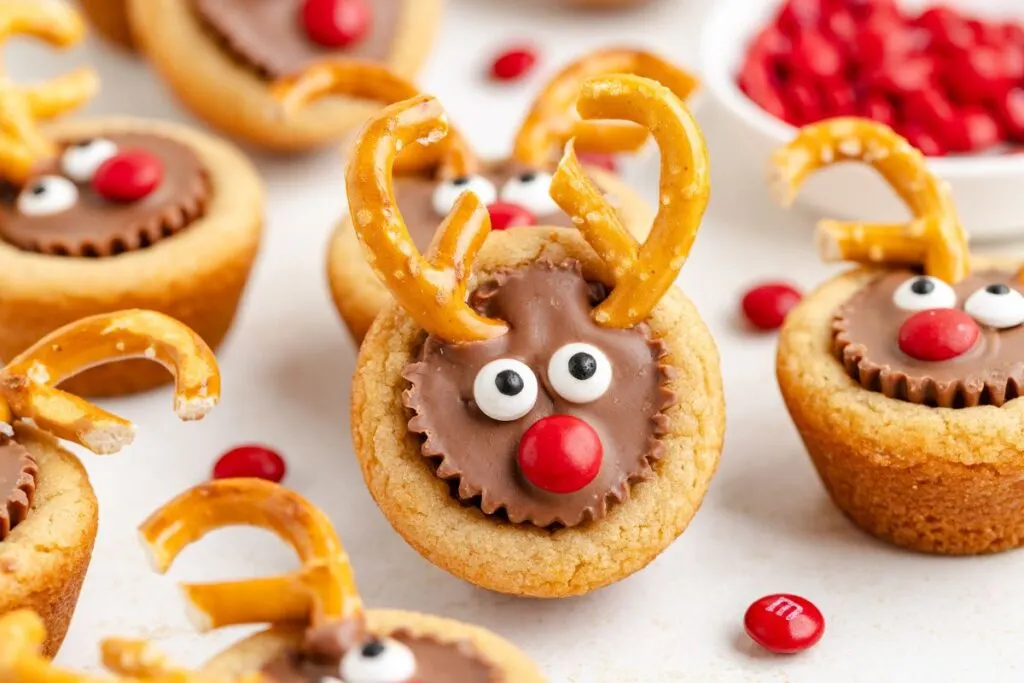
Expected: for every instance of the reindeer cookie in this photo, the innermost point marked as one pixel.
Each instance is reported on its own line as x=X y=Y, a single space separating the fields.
x=48 y=510
x=539 y=412
x=903 y=376
x=221 y=56
x=100 y=215
x=429 y=177
x=319 y=631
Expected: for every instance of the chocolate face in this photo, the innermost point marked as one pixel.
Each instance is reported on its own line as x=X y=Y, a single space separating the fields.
x=17 y=484
x=551 y=422
x=271 y=37
x=990 y=371
x=61 y=210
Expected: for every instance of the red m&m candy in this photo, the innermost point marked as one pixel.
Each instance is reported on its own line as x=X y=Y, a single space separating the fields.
x=250 y=461
x=513 y=64
x=784 y=624
x=767 y=305
x=336 y=23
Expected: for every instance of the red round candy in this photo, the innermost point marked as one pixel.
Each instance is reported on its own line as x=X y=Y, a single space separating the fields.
x=923 y=140
x=250 y=461
x=938 y=334
x=336 y=23
x=128 y=176
x=767 y=305
x=507 y=215
x=598 y=160
x=784 y=624
x=513 y=64
x=1010 y=108
x=560 y=454
x=816 y=55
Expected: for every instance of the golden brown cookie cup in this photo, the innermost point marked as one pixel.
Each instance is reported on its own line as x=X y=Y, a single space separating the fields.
x=110 y=19
x=197 y=276
x=523 y=559
x=253 y=653
x=359 y=295
x=44 y=560
x=231 y=97
x=936 y=480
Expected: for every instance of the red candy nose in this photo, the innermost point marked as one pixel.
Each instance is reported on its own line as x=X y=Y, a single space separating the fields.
x=336 y=23
x=506 y=215
x=560 y=454
x=938 y=334
x=128 y=176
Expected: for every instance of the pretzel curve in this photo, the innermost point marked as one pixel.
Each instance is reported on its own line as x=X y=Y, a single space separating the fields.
x=323 y=589
x=933 y=238
x=639 y=274
x=551 y=120
x=22 y=144
x=28 y=383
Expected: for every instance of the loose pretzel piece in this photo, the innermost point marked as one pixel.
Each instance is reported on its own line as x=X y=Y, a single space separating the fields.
x=432 y=290
x=552 y=121
x=934 y=238
x=376 y=82
x=640 y=274
x=323 y=589
x=27 y=383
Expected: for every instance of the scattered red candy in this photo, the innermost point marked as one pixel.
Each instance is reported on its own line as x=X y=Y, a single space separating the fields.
x=250 y=461
x=506 y=215
x=336 y=23
x=513 y=64
x=560 y=454
x=938 y=334
x=766 y=306
x=128 y=177
x=784 y=624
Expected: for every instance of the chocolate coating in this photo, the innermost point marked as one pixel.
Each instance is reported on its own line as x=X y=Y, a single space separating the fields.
x=17 y=484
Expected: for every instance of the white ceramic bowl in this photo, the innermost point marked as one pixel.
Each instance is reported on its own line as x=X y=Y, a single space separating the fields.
x=989 y=190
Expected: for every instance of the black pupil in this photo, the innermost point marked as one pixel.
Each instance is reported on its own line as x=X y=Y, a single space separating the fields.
x=582 y=366
x=527 y=177
x=38 y=189
x=509 y=382
x=998 y=289
x=460 y=181
x=373 y=649
x=922 y=286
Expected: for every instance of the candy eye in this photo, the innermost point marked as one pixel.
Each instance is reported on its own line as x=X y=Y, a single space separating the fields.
x=378 y=661
x=80 y=161
x=531 y=191
x=47 y=195
x=580 y=373
x=924 y=292
x=450 y=190
x=505 y=389
x=998 y=305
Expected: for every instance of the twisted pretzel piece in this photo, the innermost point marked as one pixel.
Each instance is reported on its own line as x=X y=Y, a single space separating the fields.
x=640 y=274
x=27 y=383
x=432 y=290
x=376 y=82
x=323 y=589
x=22 y=145
x=552 y=121
x=934 y=237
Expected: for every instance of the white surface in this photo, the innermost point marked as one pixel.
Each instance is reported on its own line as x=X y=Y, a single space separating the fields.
x=987 y=188
x=766 y=525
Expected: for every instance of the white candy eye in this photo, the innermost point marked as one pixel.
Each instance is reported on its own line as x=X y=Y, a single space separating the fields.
x=998 y=305
x=80 y=161
x=922 y=293
x=505 y=389
x=47 y=195
x=580 y=373
x=450 y=190
x=378 y=661
x=531 y=191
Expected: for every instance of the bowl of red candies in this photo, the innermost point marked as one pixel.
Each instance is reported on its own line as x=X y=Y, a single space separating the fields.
x=949 y=77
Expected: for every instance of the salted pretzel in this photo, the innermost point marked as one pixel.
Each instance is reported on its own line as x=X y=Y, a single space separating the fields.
x=22 y=145
x=28 y=383
x=934 y=238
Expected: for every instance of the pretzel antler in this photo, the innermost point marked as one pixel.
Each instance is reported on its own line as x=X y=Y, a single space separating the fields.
x=368 y=80
x=552 y=121
x=639 y=274
x=27 y=383
x=323 y=589
x=22 y=145
x=934 y=237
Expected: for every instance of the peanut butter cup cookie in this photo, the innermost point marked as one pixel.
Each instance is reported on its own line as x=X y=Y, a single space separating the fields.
x=319 y=630
x=220 y=57
x=904 y=376
x=99 y=215
x=540 y=412
x=429 y=177
x=48 y=513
